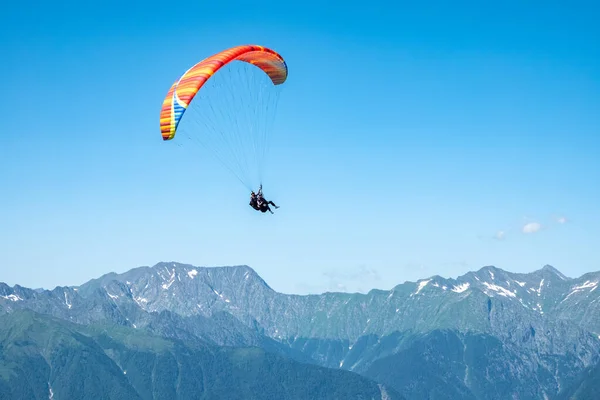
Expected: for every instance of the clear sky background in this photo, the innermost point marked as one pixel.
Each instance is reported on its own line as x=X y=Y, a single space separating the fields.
x=412 y=140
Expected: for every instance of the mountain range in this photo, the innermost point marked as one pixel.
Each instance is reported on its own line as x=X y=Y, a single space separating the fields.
x=180 y=331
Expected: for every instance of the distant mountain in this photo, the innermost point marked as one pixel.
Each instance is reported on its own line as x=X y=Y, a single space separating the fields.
x=587 y=387
x=489 y=334
x=44 y=357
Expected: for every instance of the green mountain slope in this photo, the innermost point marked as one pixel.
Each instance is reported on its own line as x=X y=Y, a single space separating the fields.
x=43 y=357
x=536 y=333
x=587 y=387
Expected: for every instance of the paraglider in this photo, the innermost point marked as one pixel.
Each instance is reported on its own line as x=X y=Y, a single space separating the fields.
x=259 y=203
x=232 y=98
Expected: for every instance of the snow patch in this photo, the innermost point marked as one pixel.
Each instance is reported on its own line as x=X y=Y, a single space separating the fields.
x=383 y=392
x=12 y=297
x=139 y=300
x=221 y=296
x=461 y=288
x=520 y=283
x=69 y=305
x=171 y=280
x=523 y=304
x=586 y=285
x=539 y=291
x=500 y=290
x=192 y=273
x=422 y=284
x=491 y=274
x=112 y=296
x=437 y=285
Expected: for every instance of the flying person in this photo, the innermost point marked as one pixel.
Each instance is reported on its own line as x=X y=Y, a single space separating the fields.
x=254 y=201
x=261 y=203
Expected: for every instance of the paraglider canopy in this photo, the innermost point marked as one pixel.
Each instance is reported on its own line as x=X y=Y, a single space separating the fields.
x=226 y=103
x=184 y=90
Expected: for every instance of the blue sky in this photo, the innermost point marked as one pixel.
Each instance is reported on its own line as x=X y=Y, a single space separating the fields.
x=410 y=141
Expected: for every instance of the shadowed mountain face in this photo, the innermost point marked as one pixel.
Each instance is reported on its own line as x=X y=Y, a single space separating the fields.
x=44 y=357
x=489 y=334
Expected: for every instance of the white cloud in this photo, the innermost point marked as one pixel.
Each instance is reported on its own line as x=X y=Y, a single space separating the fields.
x=357 y=279
x=307 y=288
x=532 y=227
x=500 y=235
x=561 y=220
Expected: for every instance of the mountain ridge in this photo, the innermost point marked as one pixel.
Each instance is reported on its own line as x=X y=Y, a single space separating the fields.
x=233 y=289
x=540 y=326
